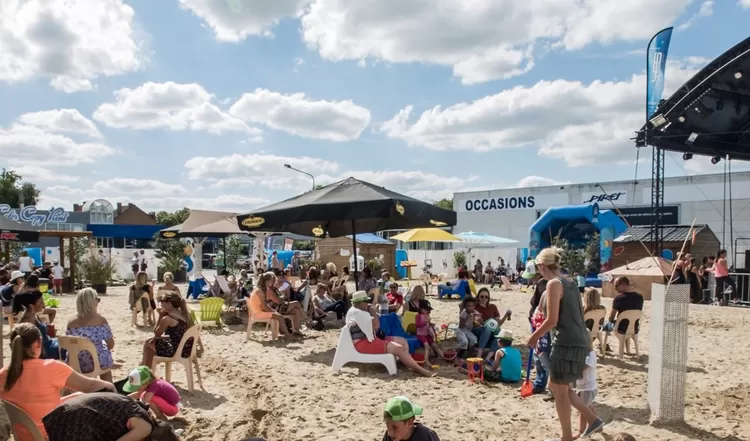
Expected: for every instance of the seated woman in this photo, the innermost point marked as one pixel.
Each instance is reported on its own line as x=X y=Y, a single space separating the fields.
x=368 y=282
x=488 y=311
x=171 y=325
x=168 y=285
x=32 y=284
x=363 y=322
x=30 y=304
x=285 y=307
x=108 y=417
x=417 y=295
x=324 y=304
x=395 y=298
x=89 y=324
x=259 y=305
x=35 y=385
x=137 y=290
x=339 y=292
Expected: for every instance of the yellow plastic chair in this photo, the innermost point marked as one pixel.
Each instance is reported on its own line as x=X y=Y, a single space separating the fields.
x=211 y=310
x=473 y=287
x=189 y=362
x=409 y=322
x=76 y=345
x=18 y=417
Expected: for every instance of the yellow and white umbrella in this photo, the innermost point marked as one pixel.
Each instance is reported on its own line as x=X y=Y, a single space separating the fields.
x=426 y=235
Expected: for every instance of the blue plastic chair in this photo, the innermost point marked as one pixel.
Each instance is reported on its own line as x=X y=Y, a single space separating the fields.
x=391 y=325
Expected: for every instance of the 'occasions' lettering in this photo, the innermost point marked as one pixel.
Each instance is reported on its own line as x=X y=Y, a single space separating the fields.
x=507 y=203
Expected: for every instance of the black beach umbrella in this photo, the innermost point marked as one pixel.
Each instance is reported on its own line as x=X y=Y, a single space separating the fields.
x=346 y=208
x=13 y=231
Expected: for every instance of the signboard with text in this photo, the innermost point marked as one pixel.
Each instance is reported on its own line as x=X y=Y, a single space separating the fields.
x=670 y=215
x=30 y=214
x=606 y=200
x=489 y=203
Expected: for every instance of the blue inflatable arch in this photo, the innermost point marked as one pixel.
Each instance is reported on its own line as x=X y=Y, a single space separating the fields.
x=606 y=222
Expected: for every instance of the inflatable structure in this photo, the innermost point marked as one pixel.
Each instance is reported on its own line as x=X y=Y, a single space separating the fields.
x=574 y=223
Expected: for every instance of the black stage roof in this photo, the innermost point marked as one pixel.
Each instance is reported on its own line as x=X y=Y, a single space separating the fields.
x=710 y=114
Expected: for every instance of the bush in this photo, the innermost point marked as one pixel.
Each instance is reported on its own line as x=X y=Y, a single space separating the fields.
x=572 y=261
x=459 y=259
x=97 y=271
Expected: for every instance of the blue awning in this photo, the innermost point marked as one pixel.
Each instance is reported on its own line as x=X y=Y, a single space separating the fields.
x=369 y=238
x=142 y=232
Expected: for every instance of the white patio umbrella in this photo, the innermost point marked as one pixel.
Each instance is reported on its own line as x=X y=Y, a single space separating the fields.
x=475 y=239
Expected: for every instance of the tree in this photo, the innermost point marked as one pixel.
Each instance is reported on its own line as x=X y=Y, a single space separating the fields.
x=171 y=253
x=233 y=247
x=592 y=254
x=444 y=203
x=171 y=219
x=14 y=191
x=573 y=261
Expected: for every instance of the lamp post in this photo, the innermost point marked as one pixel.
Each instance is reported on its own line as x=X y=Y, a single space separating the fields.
x=303 y=172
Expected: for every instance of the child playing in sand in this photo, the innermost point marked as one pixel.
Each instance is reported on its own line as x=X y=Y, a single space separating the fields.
x=425 y=331
x=586 y=387
x=399 y=417
x=164 y=399
x=505 y=364
x=467 y=319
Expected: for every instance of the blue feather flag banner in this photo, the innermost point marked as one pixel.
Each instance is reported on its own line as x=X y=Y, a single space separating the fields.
x=656 y=64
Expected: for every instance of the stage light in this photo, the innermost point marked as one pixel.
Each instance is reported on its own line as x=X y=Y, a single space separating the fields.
x=658 y=121
x=719 y=104
x=715 y=160
x=687 y=156
x=681 y=119
x=738 y=75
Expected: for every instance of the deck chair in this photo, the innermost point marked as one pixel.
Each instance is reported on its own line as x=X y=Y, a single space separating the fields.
x=333 y=281
x=18 y=417
x=597 y=316
x=632 y=317
x=271 y=324
x=76 y=345
x=409 y=322
x=189 y=362
x=211 y=310
x=138 y=308
x=473 y=287
x=346 y=353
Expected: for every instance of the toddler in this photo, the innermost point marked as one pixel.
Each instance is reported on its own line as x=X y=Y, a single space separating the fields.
x=425 y=331
x=467 y=319
x=505 y=364
x=586 y=387
x=161 y=395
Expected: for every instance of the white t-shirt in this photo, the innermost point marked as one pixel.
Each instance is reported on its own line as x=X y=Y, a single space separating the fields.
x=57 y=272
x=588 y=382
x=530 y=267
x=25 y=263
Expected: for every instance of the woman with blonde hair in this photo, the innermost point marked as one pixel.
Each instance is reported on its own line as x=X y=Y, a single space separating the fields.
x=169 y=285
x=284 y=306
x=416 y=296
x=89 y=324
x=258 y=303
x=592 y=300
x=35 y=385
x=571 y=343
x=172 y=324
x=137 y=289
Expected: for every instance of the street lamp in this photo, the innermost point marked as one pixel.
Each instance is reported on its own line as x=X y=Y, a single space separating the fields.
x=303 y=172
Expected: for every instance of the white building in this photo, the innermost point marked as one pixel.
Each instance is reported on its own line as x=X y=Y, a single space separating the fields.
x=510 y=212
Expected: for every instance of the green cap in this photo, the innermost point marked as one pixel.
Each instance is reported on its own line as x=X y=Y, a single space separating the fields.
x=402 y=409
x=137 y=378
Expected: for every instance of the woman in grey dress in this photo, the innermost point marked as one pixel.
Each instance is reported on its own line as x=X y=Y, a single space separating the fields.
x=570 y=343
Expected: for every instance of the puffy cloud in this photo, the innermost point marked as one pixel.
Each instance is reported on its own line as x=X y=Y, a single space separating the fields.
x=169 y=105
x=580 y=123
x=301 y=116
x=706 y=10
x=235 y=20
x=71 y=42
x=36 y=173
x=21 y=145
x=744 y=3
x=146 y=187
x=537 y=181
x=61 y=120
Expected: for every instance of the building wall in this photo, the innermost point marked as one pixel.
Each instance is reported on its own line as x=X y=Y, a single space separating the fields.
x=510 y=212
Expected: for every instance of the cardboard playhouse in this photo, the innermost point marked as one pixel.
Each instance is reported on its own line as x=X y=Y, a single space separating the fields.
x=641 y=274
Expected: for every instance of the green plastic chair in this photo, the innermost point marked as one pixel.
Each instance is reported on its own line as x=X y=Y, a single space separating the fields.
x=211 y=310
x=50 y=301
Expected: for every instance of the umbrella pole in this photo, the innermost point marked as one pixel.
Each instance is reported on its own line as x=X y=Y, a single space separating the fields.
x=224 y=241
x=354 y=252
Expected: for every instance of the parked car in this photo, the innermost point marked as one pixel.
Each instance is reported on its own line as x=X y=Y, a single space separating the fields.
x=208 y=260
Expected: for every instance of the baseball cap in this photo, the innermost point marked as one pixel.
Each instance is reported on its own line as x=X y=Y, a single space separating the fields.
x=137 y=378
x=15 y=275
x=402 y=409
x=360 y=296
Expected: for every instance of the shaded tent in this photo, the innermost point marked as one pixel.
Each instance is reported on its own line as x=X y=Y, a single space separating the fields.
x=204 y=223
x=641 y=274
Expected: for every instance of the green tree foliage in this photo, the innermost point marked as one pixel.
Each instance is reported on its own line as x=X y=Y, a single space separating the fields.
x=572 y=261
x=233 y=253
x=459 y=259
x=174 y=218
x=444 y=203
x=171 y=253
x=14 y=190
x=592 y=254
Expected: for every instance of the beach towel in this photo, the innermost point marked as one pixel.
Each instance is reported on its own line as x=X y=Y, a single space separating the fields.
x=363 y=320
x=391 y=326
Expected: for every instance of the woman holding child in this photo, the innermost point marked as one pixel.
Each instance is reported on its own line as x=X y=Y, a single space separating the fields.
x=486 y=311
x=571 y=343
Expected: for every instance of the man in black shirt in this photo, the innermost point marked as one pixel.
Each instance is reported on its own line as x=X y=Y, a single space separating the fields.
x=399 y=422
x=626 y=300
x=46 y=271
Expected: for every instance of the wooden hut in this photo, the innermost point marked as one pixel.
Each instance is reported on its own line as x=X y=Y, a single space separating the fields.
x=641 y=274
x=339 y=250
x=627 y=247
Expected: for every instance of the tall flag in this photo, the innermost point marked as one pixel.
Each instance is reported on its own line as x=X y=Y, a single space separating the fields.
x=656 y=63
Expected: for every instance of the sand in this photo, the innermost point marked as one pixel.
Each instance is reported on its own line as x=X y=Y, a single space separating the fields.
x=286 y=391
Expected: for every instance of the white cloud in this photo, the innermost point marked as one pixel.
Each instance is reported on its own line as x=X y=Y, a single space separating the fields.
x=418 y=184
x=21 y=145
x=579 y=123
x=537 y=181
x=61 y=120
x=481 y=40
x=35 y=173
x=235 y=20
x=706 y=10
x=71 y=42
x=744 y=3
x=301 y=116
x=169 y=105
x=134 y=186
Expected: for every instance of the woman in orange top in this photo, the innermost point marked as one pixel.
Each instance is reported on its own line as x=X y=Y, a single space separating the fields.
x=259 y=305
x=34 y=384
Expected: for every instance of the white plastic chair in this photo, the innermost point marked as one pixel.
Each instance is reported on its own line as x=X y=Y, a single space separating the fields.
x=76 y=345
x=271 y=324
x=18 y=416
x=138 y=308
x=633 y=317
x=346 y=352
x=188 y=363
x=597 y=315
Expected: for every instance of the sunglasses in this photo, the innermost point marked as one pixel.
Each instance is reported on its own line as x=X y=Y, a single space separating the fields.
x=483 y=297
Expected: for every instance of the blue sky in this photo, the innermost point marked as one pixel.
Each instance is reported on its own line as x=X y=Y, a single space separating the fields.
x=199 y=103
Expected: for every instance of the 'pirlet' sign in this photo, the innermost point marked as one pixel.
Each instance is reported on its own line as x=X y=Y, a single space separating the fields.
x=35 y=217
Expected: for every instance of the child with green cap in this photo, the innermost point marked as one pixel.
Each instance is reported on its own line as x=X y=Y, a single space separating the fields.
x=143 y=385
x=399 y=422
x=505 y=364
